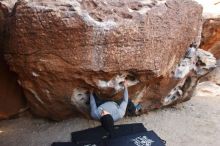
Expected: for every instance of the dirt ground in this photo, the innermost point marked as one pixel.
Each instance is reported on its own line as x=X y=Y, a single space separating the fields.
x=192 y=123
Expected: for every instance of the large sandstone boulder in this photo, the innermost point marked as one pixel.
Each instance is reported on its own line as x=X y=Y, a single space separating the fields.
x=211 y=36
x=11 y=94
x=62 y=49
x=211 y=42
x=211 y=27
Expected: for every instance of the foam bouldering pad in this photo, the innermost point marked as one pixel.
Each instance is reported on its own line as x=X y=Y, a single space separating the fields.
x=147 y=138
x=63 y=144
x=123 y=135
x=73 y=144
x=99 y=134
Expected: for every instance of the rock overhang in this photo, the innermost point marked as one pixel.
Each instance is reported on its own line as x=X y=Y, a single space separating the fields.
x=62 y=49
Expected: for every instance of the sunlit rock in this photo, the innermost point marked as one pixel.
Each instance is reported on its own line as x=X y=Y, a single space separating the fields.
x=62 y=49
x=207 y=89
x=195 y=65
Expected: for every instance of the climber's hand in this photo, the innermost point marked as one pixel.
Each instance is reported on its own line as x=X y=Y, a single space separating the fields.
x=125 y=83
x=91 y=91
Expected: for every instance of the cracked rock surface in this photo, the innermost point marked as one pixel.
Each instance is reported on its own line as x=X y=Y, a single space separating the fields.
x=61 y=49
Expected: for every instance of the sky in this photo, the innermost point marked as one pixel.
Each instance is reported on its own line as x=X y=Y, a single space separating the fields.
x=211 y=8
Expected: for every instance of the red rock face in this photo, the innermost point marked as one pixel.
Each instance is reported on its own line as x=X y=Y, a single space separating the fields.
x=11 y=95
x=211 y=36
x=62 y=49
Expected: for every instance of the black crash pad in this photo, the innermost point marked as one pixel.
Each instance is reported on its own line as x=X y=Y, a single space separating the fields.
x=73 y=144
x=147 y=138
x=99 y=134
x=123 y=135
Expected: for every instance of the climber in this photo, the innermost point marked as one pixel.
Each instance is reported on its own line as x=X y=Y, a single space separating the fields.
x=109 y=111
